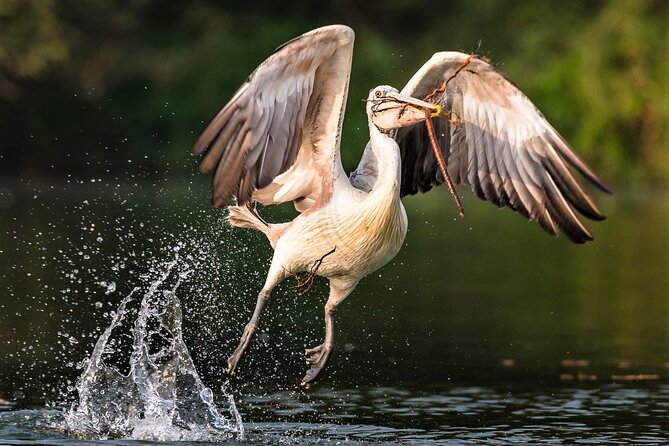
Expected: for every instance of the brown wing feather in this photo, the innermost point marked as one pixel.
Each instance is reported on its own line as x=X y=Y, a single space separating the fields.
x=497 y=143
x=254 y=141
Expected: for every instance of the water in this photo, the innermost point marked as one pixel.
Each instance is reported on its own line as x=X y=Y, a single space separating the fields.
x=511 y=414
x=480 y=332
x=162 y=397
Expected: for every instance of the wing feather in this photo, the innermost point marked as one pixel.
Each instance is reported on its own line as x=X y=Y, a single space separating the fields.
x=261 y=143
x=497 y=143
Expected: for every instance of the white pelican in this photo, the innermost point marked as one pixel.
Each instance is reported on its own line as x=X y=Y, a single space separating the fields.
x=278 y=138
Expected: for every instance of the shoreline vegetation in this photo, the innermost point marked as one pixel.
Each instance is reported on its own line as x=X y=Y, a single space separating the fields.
x=91 y=89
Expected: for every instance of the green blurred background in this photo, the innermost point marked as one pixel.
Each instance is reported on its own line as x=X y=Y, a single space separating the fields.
x=138 y=79
x=100 y=103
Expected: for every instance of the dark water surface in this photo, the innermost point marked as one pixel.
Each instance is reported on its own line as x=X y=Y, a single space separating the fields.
x=497 y=414
x=482 y=331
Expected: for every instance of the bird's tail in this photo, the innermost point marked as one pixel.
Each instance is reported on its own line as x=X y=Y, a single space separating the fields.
x=245 y=217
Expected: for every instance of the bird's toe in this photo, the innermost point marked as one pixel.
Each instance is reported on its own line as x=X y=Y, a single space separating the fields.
x=232 y=365
x=316 y=359
x=312 y=351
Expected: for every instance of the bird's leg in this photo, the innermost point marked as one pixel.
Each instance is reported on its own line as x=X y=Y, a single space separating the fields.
x=275 y=275
x=318 y=356
x=250 y=328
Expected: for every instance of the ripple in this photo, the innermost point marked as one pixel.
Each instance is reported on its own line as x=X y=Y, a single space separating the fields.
x=457 y=415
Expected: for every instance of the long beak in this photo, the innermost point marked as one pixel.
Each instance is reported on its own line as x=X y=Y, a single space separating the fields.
x=436 y=110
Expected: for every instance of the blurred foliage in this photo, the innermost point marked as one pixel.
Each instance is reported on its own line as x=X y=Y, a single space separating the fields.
x=86 y=85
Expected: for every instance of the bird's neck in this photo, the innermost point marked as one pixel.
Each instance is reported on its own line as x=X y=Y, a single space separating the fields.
x=387 y=153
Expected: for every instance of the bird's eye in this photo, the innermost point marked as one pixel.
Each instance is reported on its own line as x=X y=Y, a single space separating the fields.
x=377 y=93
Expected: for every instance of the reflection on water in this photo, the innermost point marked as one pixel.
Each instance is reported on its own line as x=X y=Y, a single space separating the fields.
x=496 y=415
x=484 y=330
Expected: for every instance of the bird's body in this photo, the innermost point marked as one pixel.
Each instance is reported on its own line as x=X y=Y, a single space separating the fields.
x=350 y=223
x=278 y=139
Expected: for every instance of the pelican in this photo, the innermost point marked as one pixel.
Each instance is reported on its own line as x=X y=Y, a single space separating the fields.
x=278 y=140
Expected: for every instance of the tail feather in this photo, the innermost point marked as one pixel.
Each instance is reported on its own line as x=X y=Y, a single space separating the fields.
x=245 y=217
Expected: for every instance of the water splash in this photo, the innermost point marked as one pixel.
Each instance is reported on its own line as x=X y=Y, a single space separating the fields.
x=162 y=396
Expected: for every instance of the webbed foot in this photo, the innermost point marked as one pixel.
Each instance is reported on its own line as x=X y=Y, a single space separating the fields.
x=317 y=357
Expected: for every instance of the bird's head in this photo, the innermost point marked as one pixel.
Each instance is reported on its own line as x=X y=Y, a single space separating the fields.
x=389 y=109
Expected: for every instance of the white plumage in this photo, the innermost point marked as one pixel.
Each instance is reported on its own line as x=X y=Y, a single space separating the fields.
x=278 y=138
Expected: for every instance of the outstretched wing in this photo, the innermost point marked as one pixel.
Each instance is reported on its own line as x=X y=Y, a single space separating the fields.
x=496 y=142
x=277 y=140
